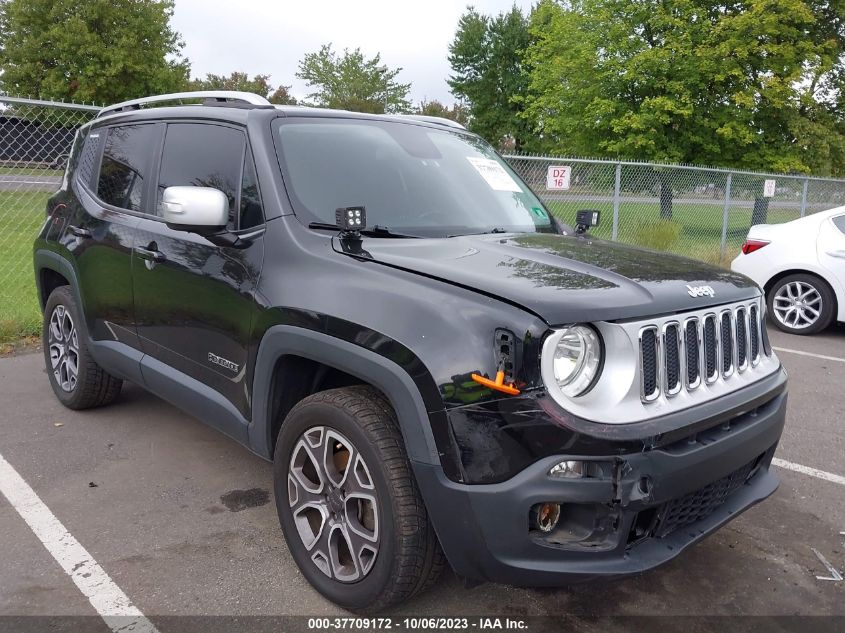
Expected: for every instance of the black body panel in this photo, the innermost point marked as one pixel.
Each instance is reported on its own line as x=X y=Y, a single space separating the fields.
x=207 y=324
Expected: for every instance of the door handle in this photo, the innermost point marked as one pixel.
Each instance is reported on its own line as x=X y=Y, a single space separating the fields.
x=79 y=231
x=840 y=254
x=149 y=254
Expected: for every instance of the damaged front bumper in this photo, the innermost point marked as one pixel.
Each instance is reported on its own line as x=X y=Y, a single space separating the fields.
x=648 y=498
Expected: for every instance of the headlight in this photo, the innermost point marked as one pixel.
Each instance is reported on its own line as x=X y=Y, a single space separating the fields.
x=572 y=358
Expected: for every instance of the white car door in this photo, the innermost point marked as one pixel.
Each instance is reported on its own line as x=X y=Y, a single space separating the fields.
x=831 y=247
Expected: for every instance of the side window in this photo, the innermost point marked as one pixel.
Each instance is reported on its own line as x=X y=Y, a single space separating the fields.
x=87 y=159
x=252 y=213
x=202 y=155
x=839 y=221
x=125 y=165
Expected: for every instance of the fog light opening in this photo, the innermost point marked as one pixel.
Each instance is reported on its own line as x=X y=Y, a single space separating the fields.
x=544 y=516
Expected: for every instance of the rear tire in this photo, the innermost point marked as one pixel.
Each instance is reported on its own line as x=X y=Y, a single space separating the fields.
x=801 y=304
x=376 y=501
x=77 y=380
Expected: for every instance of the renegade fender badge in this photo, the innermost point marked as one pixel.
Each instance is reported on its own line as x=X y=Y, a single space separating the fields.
x=701 y=291
x=218 y=360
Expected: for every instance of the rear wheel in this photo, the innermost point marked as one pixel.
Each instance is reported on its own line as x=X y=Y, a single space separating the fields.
x=77 y=380
x=801 y=304
x=348 y=503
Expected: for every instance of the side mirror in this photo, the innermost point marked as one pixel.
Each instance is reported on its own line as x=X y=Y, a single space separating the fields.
x=201 y=209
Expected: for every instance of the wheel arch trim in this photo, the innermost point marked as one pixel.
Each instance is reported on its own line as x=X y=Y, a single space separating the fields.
x=382 y=373
x=49 y=260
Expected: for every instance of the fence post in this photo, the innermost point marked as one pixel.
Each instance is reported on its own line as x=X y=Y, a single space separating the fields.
x=804 y=197
x=725 y=214
x=616 y=191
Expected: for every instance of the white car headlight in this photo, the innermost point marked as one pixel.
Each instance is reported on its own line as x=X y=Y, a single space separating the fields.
x=572 y=360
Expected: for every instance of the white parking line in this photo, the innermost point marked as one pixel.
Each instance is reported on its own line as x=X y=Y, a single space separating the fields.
x=800 y=353
x=105 y=596
x=807 y=470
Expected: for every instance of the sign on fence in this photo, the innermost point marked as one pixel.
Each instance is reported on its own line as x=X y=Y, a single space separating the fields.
x=557 y=177
x=769 y=188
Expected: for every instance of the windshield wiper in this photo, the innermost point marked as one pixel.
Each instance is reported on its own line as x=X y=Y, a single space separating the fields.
x=376 y=230
x=495 y=229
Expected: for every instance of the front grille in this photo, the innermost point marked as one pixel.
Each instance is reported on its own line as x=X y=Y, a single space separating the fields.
x=648 y=363
x=711 y=348
x=754 y=327
x=692 y=347
x=726 y=334
x=741 y=340
x=706 y=349
x=697 y=505
x=672 y=339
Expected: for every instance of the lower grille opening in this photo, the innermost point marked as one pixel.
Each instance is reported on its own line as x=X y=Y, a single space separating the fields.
x=697 y=505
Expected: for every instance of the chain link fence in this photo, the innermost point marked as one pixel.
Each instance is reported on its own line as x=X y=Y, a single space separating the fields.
x=699 y=212
x=35 y=140
x=695 y=211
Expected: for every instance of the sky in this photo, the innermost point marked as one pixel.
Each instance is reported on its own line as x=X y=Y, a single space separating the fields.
x=267 y=37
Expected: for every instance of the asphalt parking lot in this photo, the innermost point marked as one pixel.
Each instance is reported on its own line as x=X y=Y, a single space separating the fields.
x=182 y=519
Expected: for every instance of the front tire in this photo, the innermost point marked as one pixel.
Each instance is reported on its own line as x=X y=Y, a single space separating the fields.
x=348 y=503
x=76 y=378
x=801 y=304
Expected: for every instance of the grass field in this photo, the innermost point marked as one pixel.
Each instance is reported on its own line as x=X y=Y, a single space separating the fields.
x=29 y=171
x=698 y=226
x=21 y=215
x=695 y=231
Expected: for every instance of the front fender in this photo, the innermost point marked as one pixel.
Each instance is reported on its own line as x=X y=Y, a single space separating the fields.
x=392 y=380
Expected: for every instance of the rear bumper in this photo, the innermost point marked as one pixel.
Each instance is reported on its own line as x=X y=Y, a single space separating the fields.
x=646 y=509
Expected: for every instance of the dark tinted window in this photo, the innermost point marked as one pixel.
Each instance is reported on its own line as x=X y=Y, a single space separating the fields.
x=839 y=221
x=251 y=212
x=125 y=165
x=88 y=155
x=202 y=155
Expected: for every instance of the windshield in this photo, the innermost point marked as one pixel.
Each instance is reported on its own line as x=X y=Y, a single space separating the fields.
x=411 y=178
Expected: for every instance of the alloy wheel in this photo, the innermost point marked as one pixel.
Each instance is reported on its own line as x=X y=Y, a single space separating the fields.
x=63 y=344
x=797 y=305
x=334 y=504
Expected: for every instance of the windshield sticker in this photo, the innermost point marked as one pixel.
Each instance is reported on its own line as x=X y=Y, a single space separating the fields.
x=540 y=213
x=494 y=174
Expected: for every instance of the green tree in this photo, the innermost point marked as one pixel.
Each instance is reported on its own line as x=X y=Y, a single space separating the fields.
x=352 y=82
x=101 y=51
x=489 y=73
x=457 y=112
x=748 y=84
x=240 y=81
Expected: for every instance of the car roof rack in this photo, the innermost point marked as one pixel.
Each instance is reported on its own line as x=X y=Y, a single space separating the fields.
x=434 y=119
x=209 y=97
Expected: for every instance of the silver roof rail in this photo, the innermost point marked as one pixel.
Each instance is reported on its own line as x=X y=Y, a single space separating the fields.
x=218 y=95
x=433 y=119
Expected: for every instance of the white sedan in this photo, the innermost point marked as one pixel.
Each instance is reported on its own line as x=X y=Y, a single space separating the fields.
x=801 y=267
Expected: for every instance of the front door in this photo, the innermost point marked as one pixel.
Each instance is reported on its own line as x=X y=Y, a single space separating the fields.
x=194 y=302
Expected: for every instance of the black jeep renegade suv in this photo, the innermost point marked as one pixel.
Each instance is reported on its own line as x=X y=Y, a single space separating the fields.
x=438 y=368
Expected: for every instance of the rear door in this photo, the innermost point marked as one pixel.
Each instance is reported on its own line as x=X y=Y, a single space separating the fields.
x=111 y=189
x=831 y=247
x=193 y=299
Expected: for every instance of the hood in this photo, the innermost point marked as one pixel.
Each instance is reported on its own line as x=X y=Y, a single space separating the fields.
x=564 y=279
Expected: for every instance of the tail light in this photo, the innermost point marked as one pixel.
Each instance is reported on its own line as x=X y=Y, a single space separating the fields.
x=752 y=245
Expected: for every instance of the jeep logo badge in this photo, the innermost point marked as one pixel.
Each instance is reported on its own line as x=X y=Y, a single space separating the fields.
x=701 y=291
